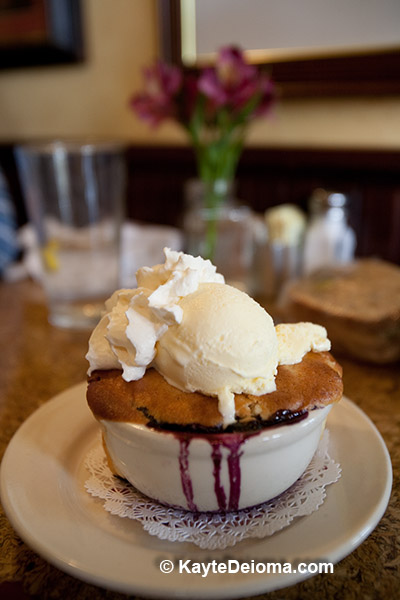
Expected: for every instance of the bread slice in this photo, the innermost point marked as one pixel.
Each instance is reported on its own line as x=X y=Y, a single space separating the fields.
x=359 y=305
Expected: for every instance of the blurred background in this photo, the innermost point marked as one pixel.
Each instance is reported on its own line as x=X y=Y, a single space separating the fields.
x=318 y=179
x=336 y=124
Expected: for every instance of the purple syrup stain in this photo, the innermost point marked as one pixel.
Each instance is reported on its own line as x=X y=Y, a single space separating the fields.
x=216 y=456
x=233 y=443
x=234 y=471
x=187 y=486
x=232 y=440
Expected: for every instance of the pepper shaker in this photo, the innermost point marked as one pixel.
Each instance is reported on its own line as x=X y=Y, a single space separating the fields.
x=329 y=239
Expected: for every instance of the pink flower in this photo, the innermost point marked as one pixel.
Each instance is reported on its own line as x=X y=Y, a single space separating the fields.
x=214 y=106
x=158 y=101
x=268 y=96
x=232 y=82
x=189 y=98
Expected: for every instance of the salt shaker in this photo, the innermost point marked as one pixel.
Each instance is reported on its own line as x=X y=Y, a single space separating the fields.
x=329 y=239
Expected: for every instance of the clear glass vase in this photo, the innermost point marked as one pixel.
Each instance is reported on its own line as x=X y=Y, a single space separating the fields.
x=217 y=227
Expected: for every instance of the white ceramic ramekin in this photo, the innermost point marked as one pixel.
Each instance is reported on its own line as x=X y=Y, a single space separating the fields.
x=213 y=472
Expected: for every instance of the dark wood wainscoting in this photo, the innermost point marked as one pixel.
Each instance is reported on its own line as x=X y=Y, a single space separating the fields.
x=267 y=176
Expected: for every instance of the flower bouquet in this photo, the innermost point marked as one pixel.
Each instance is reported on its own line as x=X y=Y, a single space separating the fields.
x=215 y=106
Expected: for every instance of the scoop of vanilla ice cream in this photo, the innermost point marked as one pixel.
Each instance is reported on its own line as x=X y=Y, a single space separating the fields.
x=226 y=344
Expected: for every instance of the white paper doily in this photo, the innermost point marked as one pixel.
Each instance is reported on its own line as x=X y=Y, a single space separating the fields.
x=207 y=530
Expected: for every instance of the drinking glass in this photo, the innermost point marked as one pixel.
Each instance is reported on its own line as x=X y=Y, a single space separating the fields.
x=74 y=193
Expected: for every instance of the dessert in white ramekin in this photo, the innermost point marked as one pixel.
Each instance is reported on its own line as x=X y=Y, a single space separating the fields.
x=213 y=472
x=205 y=404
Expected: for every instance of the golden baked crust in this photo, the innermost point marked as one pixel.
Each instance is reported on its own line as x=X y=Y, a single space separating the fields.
x=313 y=383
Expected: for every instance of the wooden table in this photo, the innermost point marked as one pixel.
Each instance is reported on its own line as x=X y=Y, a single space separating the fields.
x=38 y=361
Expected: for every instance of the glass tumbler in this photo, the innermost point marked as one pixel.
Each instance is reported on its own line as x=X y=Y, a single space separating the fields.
x=74 y=194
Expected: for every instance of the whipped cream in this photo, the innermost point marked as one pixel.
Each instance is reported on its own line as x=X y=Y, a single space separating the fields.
x=199 y=333
x=127 y=334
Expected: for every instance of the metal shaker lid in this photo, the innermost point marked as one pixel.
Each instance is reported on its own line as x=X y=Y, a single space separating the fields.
x=322 y=199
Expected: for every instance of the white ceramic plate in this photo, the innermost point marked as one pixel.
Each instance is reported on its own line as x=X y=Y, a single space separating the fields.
x=42 y=491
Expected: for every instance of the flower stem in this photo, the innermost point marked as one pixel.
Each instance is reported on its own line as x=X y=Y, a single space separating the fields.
x=215 y=195
x=210 y=241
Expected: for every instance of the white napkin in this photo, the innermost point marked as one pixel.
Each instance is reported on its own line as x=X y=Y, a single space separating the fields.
x=141 y=244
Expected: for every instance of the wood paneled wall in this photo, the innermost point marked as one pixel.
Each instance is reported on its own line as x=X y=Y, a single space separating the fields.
x=266 y=176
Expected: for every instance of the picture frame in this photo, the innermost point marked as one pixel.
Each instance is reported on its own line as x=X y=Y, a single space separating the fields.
x=40 y=32
x=363 y=71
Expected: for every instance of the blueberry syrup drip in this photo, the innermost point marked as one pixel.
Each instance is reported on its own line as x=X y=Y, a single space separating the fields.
x=216 y=456
x=217 y=442
x=234 y=472
x=185 y=475
x=232 y=440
